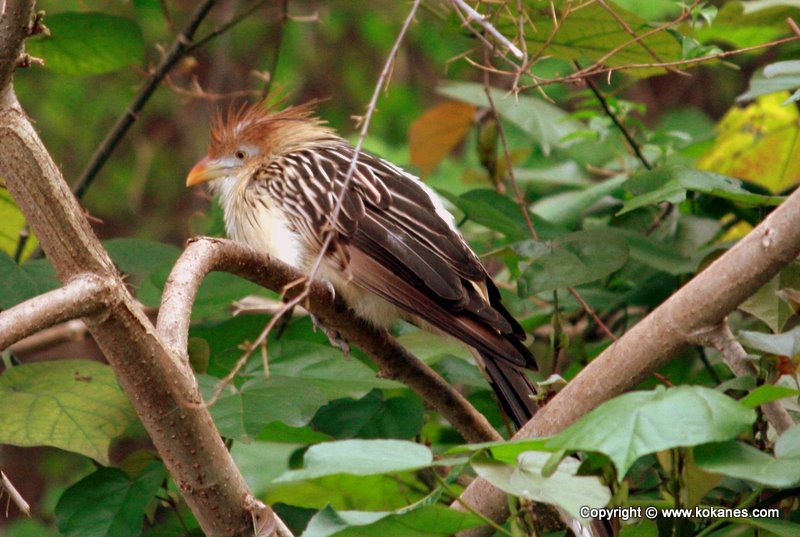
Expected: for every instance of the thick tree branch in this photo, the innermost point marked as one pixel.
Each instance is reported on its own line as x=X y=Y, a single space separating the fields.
x=83 y=296
x=205 y=255
x=160 y=386
x=702 y=303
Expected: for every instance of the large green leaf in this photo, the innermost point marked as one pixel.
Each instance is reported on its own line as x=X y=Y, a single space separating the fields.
x=570 y=260
x=372 y=416
x=562 y=488
x=740 y=460
x=670 y=183
x=242 y=413
x=108 y=503
x=75 y=405
x=638 y=423
x=360 y=457
x=21 y=282
x=546 y=123
x=500 y=213
x=588 y=31
x=424 y=521
x=88 y=43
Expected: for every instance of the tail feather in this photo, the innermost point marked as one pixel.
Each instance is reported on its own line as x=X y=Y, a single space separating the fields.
x=513 y=389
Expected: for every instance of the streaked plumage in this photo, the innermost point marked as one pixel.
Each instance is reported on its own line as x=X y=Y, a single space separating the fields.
x=396 y=253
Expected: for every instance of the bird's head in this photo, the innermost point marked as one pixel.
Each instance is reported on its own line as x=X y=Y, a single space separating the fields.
x=251 y=135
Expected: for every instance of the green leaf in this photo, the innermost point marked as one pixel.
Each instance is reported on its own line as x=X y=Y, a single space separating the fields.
x=745 y=24
x=21 y=282
x=562 y=488
x=108 y=503
x=568 y=208
x=766 y=393
x=657 y=254
x=242 y=414
x=775 y=77
x=788 y=444
x=261 y=462
x=360 y=457
x=638 y=423
x=766 y=303
x=12 y=221
x=592 y=32
x=425 y=521
x=742 y=461
x=785 y=344
x=370 y=417
x=303 y=377
x=140 y=258
x=75 y=405
x=546 y=123
x=671 y=182
x=500 y=213
x=505 y=451
x=324 y=367
x=570 y=260
x=776 y=526
x=88 y=43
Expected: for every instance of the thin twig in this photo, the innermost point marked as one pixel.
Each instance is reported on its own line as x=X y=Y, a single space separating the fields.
x=8 y=488
x=622 y=128
x=633 y=34
x=180 y=46
x=276 y=52
x=473 y=15
x=191 y=47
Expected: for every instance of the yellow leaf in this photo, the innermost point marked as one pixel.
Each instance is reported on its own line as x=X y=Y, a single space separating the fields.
x=758 y=143
x=434 y=134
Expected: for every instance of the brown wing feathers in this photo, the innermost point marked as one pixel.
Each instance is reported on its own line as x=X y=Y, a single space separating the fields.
x=399 y=248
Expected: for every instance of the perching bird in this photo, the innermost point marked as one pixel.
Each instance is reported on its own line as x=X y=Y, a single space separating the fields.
x=396 y=251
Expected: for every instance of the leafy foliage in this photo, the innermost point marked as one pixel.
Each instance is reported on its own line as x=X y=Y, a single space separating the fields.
x=338 y=451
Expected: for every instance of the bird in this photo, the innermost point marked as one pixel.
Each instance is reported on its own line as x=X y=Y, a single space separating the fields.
x=395 y=252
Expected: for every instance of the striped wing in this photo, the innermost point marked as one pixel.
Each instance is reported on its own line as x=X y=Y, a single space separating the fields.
x=396 y=241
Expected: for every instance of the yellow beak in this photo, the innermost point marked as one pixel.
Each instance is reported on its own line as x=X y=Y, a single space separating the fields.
x=203 y=171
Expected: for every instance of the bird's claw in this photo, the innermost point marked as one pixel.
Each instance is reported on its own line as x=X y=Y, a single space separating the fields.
x=333 y=335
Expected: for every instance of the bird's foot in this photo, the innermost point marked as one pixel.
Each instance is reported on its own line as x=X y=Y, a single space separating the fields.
x=334 y=336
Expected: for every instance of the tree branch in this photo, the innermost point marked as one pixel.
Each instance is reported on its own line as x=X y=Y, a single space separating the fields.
x=161 y=387
x=83 y=296
x=15 y=23
x=703 y=302
x=206 y=254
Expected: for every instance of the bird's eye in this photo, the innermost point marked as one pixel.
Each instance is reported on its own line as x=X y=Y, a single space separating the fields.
x=240 y=154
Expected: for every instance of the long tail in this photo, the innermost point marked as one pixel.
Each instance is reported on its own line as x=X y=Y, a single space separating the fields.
x=515 y=392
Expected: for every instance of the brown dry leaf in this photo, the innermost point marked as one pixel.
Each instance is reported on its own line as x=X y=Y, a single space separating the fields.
x=434 y=134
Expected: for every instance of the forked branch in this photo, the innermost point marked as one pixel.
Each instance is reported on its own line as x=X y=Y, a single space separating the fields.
x=205 y=255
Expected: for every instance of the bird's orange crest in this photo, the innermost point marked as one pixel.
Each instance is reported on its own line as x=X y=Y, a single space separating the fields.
x=264 y=126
